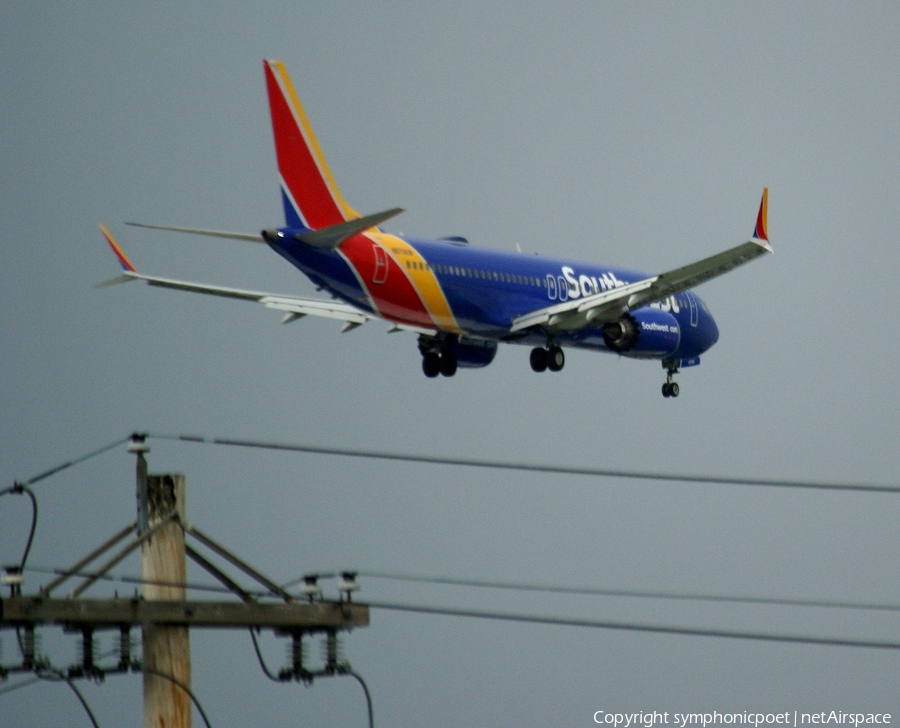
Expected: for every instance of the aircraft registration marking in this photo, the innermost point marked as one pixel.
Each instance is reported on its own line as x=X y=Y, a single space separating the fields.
x=422 y=278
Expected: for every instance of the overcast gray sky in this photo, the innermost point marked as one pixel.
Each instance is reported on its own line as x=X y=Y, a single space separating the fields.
x=639 y=135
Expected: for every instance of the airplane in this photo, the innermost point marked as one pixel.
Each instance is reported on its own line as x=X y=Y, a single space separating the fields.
x=461 y=300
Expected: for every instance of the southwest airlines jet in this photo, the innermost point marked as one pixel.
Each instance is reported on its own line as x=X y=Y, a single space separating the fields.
x=462 y=301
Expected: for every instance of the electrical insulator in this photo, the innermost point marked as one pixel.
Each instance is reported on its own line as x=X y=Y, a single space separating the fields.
x=297 y=653
x=12 y=577
x=124 y=647
x=332 y=650
x=348 y=583
x=311 y=588
x=29 y=648
x=296 y=669
x=86 y=651
x=138 y=443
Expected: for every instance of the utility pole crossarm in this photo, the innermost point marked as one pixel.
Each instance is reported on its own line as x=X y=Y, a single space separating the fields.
x=110 y=613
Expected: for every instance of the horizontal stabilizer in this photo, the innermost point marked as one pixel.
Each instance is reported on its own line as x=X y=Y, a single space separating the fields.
x=334 y=235
x=197 y=231
x=124 y=278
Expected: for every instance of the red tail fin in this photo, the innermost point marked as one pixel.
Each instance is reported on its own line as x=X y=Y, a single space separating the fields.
x=310 y=196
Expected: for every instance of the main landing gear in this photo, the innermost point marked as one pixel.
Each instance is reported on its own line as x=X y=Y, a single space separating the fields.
x=434 y=363
x=551 y=358
x=670 y=388
x=437 y=357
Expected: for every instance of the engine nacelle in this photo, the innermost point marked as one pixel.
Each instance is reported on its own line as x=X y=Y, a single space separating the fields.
x=474 y=354
x=644 y=333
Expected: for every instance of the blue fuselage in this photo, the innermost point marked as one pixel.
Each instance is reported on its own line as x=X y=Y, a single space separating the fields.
x=486 y=289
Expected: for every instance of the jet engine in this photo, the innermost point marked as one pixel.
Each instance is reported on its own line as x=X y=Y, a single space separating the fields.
x=644 y=333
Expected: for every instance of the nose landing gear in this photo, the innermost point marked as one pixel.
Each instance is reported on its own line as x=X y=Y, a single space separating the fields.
x=670 y=388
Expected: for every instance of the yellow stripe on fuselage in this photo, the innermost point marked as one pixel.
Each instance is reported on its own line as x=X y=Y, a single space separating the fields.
x=422 y=278
x=348 y=212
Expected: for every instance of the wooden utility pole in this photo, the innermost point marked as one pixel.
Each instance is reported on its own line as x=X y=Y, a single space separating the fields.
x=166 y=647
x=163 y=613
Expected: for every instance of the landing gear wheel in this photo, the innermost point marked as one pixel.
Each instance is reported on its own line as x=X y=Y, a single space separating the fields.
x=431 y=365
x=448 y=363
x=670 y=389
x=556 y=359
x=540 y=358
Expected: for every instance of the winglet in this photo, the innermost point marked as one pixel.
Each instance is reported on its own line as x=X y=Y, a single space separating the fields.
x=759 y=232
x=117 y=251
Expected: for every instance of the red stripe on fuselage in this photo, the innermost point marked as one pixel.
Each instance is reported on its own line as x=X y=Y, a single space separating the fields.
x=395 y=299
x=296 y=163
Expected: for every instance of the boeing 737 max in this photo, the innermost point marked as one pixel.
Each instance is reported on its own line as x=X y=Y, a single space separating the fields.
x=461 y=300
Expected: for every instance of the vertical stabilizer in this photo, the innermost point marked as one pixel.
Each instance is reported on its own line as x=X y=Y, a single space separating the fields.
x=311 y=198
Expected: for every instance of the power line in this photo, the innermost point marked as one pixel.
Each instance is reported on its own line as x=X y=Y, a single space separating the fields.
x=515 y=586
x=641 y=594
x=636 y=627
x=58 y=675
x=528 y=467
x=185 y=688
x=76 y=461
x=138 y=580
x=18 y=686
x=262 y=663
x=483 y=463
x=18 y=489
x=365 y=688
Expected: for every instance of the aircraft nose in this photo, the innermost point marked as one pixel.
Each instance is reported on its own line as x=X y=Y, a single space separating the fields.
x=710 y=329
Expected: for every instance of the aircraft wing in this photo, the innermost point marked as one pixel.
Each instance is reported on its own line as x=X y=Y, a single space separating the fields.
x=294 y=306
x=610 y=305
